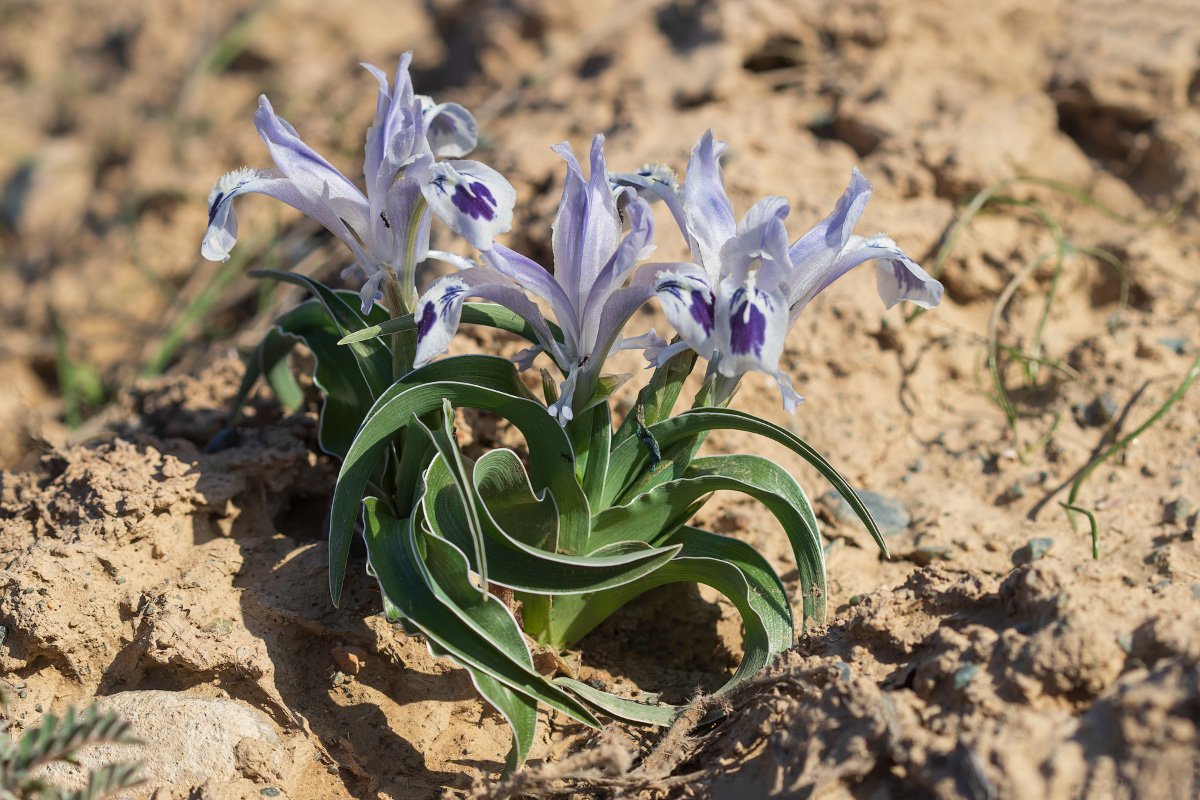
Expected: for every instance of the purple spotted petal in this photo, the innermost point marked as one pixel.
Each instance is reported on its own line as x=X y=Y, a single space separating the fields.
x=687 y=301
x=898 y=277
x=474 y=200
x=450 y=129
x=221 y=234
x=751 y=327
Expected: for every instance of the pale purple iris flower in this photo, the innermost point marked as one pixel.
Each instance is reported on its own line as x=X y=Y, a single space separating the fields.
x=586 y=292
x=387 y=227
x=747 y=287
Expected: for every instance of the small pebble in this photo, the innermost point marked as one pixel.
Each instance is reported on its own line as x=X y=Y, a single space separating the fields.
x=349 y=659
x=38 y=708
x=891 y=515
x=1125 y=642
x=269 y=791
x=1039 y=547
x=964 y=675
x=120 y=581
x=338 y=678
x=150 y=610
x=1196 y=591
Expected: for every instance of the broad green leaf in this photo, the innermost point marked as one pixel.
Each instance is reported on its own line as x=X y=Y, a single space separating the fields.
x=582 y=614
x=507 y=500
x=468 y=501
x=519 y=711
x=373 y=356
x=591 y=436
x=489 y=314
x=404 y=578
x=419 y=393
x=272 y=362
x=631 y=458
x=668 y=506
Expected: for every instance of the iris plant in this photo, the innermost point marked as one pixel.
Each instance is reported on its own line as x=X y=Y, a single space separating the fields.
x=485 y=557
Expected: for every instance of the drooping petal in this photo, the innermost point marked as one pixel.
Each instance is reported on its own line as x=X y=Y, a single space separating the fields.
x=222 y=229
x=897 y=277
x=814 y=253
x=474 y=200
x=791 y=400
x=687 y=300
x=751 y=327
x=315 y=177
x=533 y=277
x=439 y=309
x=369 y=294
x=437 y=315
x=710 y=221
x=449 y=128
x=652 y=182
x=657 y=356
x=524 y=359
x=562 y=409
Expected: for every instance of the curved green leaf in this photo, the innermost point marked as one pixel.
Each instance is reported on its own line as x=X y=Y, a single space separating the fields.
x=373 y=356
x=630 y=458
x=668 y=506
x=514 y=563
x=723 y=576
x=482 y=634
x=552 y=459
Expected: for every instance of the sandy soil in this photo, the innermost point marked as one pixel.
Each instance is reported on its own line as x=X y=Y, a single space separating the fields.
x=991 y=657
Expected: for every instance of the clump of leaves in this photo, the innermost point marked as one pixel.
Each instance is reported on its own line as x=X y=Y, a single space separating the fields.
x=485 y=557
x=61 y=740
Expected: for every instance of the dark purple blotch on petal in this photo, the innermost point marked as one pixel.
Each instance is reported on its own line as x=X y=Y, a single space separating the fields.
x=475 y=200
x=747 y=326
x=425 y=323
x=216 y=203
x=700 y=306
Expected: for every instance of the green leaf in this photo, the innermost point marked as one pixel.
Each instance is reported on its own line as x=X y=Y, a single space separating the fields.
x=373 y=356
x=488 y=314
x=591 y=436
x=476 y=631
x=513 y=506
x=668 y=506
x=486 y=382
x=630 y=459
x=725 y=577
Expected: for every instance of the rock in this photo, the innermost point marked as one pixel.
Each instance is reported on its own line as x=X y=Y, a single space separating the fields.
x=1035 y=549
x=891 y=515
x=187 y=741
x=349 y=659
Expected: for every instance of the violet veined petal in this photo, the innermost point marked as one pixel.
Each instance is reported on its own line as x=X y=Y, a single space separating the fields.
x=450 y=129
x=751 y=327
x=633 y=248
x=453 y=259
x=455 y=288
x=762 y=236
x=315 y=177
x=531 y=276
x=222 y=229
x=815 y=252
x=791 y=400
x=587 y=229
x=474 y=200
x=709 y=214
x=687 y=301
x=437 y=315
x=898 y=277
